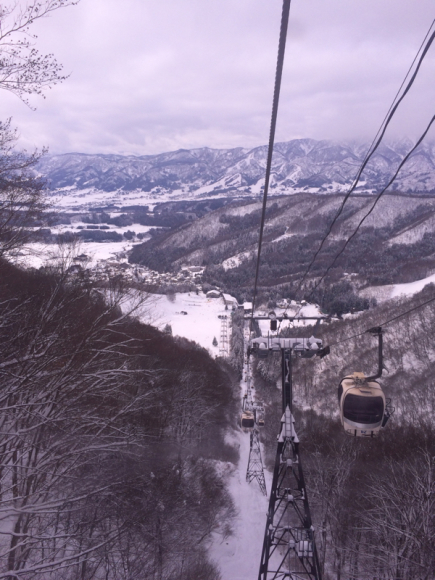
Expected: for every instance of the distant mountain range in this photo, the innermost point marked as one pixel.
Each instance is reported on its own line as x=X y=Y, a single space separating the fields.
x=298 y=165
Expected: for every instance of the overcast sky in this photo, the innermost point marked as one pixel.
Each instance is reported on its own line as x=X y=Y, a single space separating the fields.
x=149 y=76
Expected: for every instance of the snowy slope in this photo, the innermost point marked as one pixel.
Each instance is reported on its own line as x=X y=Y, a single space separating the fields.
x=201 y=323
x=238 y=556
x=382 y=293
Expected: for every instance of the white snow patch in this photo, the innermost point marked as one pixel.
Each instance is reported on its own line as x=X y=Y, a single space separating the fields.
x=36 y=254
x=412 y=287
x=284 y=236
x=383 y=293
x=235 y=261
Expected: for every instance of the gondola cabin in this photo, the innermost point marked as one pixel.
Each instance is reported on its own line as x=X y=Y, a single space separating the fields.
x=247 y=420
x=362 y=405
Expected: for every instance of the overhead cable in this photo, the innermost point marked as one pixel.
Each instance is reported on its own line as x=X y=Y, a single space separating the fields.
x=379 y=136
x=278 y=76
x=382 y=324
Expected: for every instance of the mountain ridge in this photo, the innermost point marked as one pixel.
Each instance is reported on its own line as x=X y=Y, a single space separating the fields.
x=298 y=165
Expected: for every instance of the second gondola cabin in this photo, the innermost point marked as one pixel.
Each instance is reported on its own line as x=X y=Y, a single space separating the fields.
x=362 y=405
x=247 y=420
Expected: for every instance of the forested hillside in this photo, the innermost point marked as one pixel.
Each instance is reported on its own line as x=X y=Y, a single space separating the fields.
x=111 y=437
x=395 y=244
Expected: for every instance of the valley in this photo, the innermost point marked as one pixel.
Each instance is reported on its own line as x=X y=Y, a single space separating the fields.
x=171 y=274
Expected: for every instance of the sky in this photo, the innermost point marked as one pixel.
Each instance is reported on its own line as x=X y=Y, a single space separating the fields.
x=148 y=77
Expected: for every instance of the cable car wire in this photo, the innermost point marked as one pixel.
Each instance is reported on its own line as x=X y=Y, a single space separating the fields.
x=278 y=77
x=378 y=197
x=377 y=140
x=382 y=324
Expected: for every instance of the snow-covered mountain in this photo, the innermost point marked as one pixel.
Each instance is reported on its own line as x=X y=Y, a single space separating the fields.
x=298 y=165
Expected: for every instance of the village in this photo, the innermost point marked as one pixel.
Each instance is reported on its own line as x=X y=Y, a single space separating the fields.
x=117 y=266
x=188 y=280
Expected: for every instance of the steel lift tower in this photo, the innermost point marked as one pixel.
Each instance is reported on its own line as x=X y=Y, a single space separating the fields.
x=255 y=464
x=289 y=549
x=224 y=343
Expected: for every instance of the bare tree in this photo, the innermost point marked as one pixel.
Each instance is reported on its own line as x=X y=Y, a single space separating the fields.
x=89 y=487
x=22 y=194
x=23 y=70
x=401 y=523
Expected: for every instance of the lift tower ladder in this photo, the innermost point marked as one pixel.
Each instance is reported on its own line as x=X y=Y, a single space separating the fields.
x=224 y=343
x=289 y=549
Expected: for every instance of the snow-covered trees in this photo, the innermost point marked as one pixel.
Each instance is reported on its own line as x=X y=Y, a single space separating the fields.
x=93 y=409
x=400 y=527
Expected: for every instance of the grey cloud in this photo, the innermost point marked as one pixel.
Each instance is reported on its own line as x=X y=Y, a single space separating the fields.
x=154 y=76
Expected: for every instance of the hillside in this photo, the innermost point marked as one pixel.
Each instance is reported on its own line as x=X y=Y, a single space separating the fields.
x=371 y=499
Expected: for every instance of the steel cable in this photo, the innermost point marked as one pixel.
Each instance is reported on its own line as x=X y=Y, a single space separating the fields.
x=278 y=77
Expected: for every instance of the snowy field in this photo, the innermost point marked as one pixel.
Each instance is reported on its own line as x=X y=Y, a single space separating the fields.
x=36 y=255
x=201 y=323
x=70 y=199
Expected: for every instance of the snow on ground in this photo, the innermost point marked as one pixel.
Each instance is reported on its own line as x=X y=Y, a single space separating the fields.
x=238 y=556
x=383 y=293
x=412 y=287
x=201 y=323
x=284 y=236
